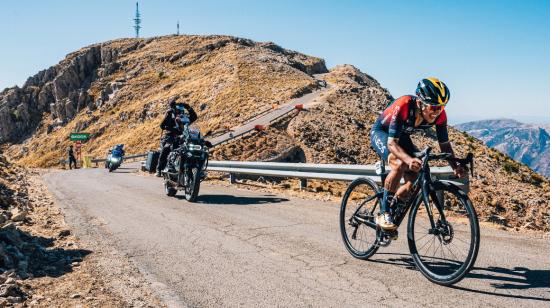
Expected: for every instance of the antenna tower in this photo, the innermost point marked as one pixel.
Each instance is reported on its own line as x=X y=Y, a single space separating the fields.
x=137 y=20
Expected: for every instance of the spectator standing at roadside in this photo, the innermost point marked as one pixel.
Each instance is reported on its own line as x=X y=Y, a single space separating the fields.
x=72 y=159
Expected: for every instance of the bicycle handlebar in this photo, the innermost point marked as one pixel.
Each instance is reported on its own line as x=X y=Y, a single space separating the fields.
x=467 y=162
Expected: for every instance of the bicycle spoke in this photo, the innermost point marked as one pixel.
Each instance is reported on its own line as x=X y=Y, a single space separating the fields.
x=428 y=241
x=423 y=236
x=360 y=200
x=450 y=250
x=448 y=255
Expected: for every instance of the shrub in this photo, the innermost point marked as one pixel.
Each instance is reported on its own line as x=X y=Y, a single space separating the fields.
x=15 y=115
x=536 y=179
x=510 y=167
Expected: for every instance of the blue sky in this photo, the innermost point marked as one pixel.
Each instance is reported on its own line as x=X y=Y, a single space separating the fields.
x=493 y=55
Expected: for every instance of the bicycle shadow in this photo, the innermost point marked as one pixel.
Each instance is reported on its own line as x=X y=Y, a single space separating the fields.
x=517 y=278
x=236 y=200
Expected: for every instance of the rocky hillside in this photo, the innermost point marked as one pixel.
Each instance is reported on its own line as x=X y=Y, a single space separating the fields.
x=337 y=131
x=117 y=92
x=525 y=143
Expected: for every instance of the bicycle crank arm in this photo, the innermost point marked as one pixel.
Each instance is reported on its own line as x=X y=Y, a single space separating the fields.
x=366 y=222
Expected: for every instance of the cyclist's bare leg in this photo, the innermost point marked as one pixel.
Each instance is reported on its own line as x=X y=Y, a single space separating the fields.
x=391 y=184
x=403 y=191
x=398 y=168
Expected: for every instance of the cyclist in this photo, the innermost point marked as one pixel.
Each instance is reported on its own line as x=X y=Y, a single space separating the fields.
x=390 y=138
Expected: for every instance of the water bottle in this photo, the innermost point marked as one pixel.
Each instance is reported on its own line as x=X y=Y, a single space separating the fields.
x=378 y=167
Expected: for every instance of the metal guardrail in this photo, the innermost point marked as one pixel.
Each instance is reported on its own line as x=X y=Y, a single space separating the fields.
x=126 y=157
x=233 y=136
x=320 y=171
x=304 y=171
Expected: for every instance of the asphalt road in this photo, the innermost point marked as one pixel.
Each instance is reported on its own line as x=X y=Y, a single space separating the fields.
x=236 y=247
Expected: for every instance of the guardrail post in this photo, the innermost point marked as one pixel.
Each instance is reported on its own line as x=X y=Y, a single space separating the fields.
x=303 y=184
x=232 y=178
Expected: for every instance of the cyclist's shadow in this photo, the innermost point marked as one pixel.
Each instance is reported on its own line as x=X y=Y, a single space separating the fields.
x=518 y=278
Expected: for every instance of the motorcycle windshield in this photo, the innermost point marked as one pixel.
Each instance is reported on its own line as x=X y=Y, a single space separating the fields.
x=194 y=134
x=184 y=119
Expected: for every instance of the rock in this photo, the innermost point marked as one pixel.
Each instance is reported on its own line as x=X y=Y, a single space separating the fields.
x=8 y=225
x=18 y=215
x=76 y=295
x=15 y=299
x=7 y=289
x=64 y=233
x=10 y=281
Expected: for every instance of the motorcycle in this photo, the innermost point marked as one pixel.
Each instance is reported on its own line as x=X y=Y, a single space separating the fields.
x=187 y=162
x=114 y=159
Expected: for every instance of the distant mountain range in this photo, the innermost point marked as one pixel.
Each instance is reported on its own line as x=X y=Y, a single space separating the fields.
x=526 y=143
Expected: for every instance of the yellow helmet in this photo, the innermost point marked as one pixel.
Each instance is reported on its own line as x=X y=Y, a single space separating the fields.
x=433 y=91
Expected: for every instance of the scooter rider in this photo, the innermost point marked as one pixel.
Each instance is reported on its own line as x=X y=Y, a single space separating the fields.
x=172 y=130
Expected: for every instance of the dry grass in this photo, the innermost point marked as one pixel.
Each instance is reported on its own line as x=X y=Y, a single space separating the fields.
x=225 y=85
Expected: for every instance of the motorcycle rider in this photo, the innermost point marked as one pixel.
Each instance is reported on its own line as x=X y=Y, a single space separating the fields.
x=172 y=130
x=117 y=151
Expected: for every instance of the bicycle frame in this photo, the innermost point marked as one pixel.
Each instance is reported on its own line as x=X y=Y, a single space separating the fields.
x=421 y=190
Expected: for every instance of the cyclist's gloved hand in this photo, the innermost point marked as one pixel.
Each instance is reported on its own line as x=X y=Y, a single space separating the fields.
x=415 y=164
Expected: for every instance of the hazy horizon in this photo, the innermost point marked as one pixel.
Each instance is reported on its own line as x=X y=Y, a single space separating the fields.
x=542 y=120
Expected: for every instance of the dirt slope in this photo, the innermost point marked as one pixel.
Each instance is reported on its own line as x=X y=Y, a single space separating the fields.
x=121 y=97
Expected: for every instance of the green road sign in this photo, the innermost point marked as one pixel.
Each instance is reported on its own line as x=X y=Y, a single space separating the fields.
x=80 y=136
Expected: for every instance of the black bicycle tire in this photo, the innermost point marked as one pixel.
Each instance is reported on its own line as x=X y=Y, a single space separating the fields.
x=342 y=219
x=451 y=279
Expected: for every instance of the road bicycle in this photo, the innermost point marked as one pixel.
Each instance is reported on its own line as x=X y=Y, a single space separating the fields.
x=442 y=229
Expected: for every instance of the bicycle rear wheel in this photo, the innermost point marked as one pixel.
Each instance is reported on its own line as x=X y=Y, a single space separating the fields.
x=445 y=251
x=357 y=214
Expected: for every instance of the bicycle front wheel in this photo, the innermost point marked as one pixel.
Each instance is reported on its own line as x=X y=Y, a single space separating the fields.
x=357 y=214
x=444 y=235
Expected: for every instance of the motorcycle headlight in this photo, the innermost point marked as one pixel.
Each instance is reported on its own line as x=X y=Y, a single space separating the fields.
x=194 y=147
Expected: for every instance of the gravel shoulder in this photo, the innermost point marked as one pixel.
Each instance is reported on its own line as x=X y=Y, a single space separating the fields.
x=103 y=278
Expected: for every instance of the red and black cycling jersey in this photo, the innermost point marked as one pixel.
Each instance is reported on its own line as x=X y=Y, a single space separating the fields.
x=400 y=116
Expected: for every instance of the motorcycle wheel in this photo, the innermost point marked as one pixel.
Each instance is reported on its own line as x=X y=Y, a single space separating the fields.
x=193 y=185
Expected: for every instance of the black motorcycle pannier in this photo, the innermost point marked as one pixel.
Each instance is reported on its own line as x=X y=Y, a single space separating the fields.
x=152 y=161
